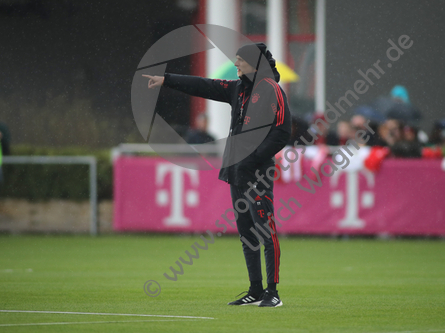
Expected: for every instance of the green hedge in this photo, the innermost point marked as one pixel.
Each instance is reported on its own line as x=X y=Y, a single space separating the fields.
x=49 y=181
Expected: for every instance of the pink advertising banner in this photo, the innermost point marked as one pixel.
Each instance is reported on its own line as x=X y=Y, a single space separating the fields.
x=406 y=197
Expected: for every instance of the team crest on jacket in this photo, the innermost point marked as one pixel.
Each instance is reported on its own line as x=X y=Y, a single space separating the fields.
x=255 y=98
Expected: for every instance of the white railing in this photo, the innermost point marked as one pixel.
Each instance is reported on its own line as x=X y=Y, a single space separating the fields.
x=165 y=148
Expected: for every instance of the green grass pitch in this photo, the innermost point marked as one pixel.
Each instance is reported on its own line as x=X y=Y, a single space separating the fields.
x=327 y=285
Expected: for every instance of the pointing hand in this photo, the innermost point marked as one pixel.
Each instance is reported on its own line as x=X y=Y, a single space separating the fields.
x=154 y=81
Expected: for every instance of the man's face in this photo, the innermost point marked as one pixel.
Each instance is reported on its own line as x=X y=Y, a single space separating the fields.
x=393 y=127
x=243 y=67
x=358 y=121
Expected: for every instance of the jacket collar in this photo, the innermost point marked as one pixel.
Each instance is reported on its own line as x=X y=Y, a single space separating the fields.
x=246 y=82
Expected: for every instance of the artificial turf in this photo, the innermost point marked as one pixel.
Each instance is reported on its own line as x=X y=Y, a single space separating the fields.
x=327 y=285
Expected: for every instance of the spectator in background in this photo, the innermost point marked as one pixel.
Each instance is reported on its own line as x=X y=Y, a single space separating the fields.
x=437 y=137
x=318 y=132
x=436 y=142
x=397 y=106
x=397 y=142
x=403 y=110
x=391 y=131
x=411 y=133
x=401 y=139
x=199 y=134
x=401 y=129
x=318 y=128
x=361 y=115
x=324 y=137
x=345 y=131
x=292 y=171
x=401 y=107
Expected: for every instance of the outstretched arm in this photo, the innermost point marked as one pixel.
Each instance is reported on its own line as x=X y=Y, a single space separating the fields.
x=218 y=90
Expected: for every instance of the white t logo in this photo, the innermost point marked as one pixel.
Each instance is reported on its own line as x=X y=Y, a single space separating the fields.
x=176 y=195
x=352 y=219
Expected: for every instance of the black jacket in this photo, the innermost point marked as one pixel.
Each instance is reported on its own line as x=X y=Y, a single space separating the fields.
x=257 y=133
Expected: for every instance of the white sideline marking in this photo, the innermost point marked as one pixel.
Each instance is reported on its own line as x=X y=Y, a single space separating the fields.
x=417 y=331
x=107 y=314
x=89 y=322
x=10 y=270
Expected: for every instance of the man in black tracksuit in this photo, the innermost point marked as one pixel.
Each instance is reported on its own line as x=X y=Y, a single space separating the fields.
x=260 y=128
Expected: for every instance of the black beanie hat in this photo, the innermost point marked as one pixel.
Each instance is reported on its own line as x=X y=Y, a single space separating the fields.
x=251 y=53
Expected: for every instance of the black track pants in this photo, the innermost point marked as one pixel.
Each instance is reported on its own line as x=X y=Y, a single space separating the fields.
x=255 y=228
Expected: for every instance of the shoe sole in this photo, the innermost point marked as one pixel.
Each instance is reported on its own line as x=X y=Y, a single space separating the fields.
x=267 y=306
x=253 y=303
